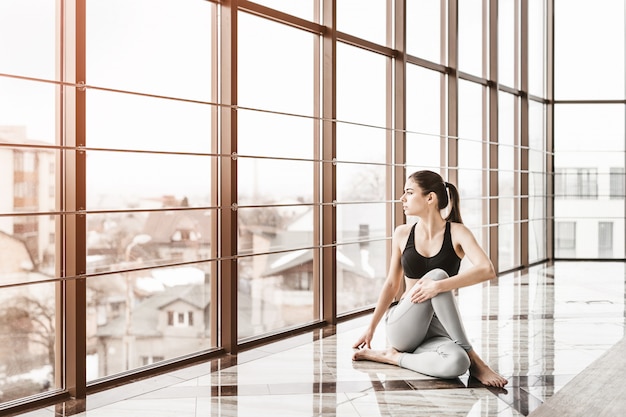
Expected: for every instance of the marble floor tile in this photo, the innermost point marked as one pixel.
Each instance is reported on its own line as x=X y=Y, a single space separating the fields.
x=538 y=327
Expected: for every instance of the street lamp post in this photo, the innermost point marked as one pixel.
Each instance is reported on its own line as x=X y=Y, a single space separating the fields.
x=128 y=337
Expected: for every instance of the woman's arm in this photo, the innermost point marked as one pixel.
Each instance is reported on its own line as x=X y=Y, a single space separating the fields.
x=481 y=270
x=389 y=290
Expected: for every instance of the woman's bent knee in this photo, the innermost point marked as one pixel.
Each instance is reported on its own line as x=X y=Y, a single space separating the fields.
x=457 y=362
x=436 y=274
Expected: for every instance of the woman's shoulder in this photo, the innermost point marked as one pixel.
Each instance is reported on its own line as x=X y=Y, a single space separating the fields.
x=459 y=231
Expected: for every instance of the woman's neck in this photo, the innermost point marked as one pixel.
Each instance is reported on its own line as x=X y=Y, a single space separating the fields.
x=432 y=224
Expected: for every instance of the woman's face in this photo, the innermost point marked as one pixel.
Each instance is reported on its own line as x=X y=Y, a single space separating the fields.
x=414 y=202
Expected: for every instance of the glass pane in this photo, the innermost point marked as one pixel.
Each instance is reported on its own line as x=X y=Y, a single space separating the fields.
x=27 y=111
x=589 y=141
x=600 y=75
x=28 y=33
x=537 y=47
x=471 y=36
x=152 y=238
x=276 y=291
x=424 y=118
x=422 y=152
x=424 y=91
x=537 y=240
x=275 y=71
x=27 y=193
x=361 y=222
x=143 y=46
x=470 y=145
x=28 y=247
x=126 y=121
x=424 y=32
x=360 y=143
x=537 y=183
x=360 y=182
x=138 y=318
x=584 y=128
x=361 y=93
x=304 y=9
x=27 y=337
x=507 y=46
x=507 y=136
x=471 y=106
x=258 y=135
x=271 y=181
x=536 y=126
x=361 y=271
x=508 y=234
x=365 y=19
x=272 y=229
x=121 y=180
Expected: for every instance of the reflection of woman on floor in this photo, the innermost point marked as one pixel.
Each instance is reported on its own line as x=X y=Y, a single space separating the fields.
x=424 y=329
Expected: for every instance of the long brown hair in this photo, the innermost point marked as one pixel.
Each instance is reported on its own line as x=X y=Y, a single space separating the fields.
x=431 y=182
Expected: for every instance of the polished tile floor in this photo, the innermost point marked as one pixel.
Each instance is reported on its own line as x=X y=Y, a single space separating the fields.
x=538 y=327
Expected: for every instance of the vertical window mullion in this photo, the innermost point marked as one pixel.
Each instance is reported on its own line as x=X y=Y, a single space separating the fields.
x=73 y=201
x=453 y=93
x=524 y=143
x=228 y=179
x=329 y=172
x=492 y=134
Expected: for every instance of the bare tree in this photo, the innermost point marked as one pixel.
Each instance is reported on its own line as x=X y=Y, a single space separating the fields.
x=32 y=322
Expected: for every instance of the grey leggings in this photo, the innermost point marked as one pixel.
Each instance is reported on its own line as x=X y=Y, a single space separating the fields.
x=430 y=334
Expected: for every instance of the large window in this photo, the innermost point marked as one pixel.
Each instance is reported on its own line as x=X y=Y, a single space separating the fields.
x=361 y=176
x=180 y=179
x=589 y=135
x=600 y=75
x=589 y=146
x=148 y=174
x=29 y=155
x=537 y=183
x=276 y=176
x=472 y=183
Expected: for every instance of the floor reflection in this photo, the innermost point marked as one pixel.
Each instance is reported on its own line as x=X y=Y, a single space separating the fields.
x=539 y=328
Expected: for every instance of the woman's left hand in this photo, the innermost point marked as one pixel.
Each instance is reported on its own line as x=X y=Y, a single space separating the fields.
x=424 y=290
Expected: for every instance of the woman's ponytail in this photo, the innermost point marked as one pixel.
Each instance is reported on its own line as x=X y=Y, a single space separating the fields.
x=454 y=215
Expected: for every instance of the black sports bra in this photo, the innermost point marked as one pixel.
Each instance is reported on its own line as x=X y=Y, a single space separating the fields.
x=415 y=265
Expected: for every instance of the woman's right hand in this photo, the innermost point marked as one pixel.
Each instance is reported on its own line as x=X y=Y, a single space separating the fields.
x=365 y=340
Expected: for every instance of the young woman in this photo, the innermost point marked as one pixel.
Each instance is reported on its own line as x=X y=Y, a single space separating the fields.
x=424 y=329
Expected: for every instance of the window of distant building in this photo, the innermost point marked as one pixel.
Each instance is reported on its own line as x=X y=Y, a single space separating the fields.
x=149 y=360
x=617 y=189
x=565 y=239
x=301 y=281
x=605 y=239
x=579 y=183
x=24 y=161
x=183 y=235
x=116 y=308
x=179 y=319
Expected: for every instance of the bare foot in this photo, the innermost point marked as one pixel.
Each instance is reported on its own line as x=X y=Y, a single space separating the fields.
x=390 y=356
x=482 y=372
